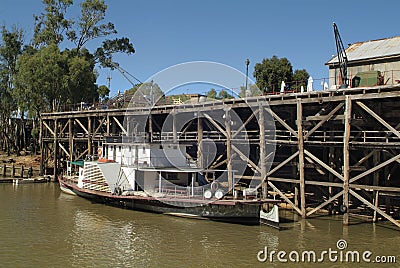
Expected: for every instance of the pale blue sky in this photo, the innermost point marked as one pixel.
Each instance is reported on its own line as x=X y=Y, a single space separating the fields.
x=166 y=33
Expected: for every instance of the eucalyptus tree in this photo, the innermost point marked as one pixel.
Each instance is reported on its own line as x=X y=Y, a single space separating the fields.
x=11 y=43
x=48 y=77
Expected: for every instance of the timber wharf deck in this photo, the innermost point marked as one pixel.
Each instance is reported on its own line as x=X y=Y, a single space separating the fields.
x=338 y=150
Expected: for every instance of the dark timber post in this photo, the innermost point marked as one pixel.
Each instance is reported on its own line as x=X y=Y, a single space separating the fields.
x=301 y=157
x=228 y=148
x=174 y=131
x=55 y=149
x=71 y=139
x=262 y=151
x=89 y=140
x=42 y=154
x=199 y=141
x=346 y=159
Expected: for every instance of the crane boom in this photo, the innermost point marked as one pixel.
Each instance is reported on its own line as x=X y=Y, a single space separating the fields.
x=342 y=57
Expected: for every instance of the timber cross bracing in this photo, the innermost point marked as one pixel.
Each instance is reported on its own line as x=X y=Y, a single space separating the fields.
x=333 y=149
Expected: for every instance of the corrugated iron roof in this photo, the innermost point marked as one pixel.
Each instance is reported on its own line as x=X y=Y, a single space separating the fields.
x=387 y=47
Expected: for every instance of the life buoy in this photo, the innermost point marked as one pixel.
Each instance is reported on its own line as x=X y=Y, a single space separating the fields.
x=100 y=152
x=214 y=186
x=219 y=194
x=207 y=194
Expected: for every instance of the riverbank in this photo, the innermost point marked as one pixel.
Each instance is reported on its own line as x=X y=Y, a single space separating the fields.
x=25 y=160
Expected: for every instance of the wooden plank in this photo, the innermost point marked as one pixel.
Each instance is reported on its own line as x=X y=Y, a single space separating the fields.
x=284 y=197
x=120 y=125
x=301 y=158
x=215 y=124
x=366 y=202
x=369 y=171
x=65 y=150
x=282 y=164
x=47 y=126
x=325 y=119
x=81 y=125
x=281 y=121
x=378 y=118
x=245 y=158
x=245 y=123
x=346 y=158
x=316 y=159
x=325 y=203
x=229 y=150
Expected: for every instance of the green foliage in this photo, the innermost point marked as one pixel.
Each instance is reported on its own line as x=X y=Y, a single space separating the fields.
x=46 y=77
x=103 y=91
x=300 y=78
x=252 y=91
x=51 y=25
x=10 y=48
x=223 y=94
x=271 y=72
x=212 y=94
x=49 y=78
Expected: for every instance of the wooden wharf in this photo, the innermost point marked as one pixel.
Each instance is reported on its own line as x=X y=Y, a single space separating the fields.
x=334 y=150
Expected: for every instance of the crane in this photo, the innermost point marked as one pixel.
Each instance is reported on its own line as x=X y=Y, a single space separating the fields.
x=124 y=73
x=342 y=57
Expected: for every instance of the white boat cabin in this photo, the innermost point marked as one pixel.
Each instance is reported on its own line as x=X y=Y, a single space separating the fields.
x=145 y=155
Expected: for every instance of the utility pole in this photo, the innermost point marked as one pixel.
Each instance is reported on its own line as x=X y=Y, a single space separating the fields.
x=247 y=71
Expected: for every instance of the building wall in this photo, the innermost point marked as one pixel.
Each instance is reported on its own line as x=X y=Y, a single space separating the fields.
x=390 y=71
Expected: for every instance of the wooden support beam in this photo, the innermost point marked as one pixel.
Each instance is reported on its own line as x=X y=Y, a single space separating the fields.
x=285 y=197
x=246 y=122
x=263 y=166
x=71 y=139
x=320 y=162
x=381 y=165
x=229 y=149
x=65 y=150
x=365 y=158
x=174 y=130
x=301 y=157
x=215 y=124
x=378 y=118
x=366 y=202
x=81 y=125
x=282 y=164
x=325 y=203
x=101 y=122
x=200 y=160
x=120 y=125
x=309 y=160
x=47 y=126
x=89 y=138
x=325 y=119
x=55 y=150
x=245 y=158
x=346 y=159
x=82 y=154
x=281 y=121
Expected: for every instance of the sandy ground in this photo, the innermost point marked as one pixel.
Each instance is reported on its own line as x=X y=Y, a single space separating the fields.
x=26 y=160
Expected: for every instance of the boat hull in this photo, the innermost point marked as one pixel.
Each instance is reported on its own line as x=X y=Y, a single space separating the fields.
x=232 y=211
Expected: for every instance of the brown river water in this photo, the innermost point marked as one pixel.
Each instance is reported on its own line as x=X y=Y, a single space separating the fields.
x=42 y=227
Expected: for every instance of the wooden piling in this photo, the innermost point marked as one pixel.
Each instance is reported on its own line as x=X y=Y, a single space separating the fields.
x=301 y=158
x=346 y=159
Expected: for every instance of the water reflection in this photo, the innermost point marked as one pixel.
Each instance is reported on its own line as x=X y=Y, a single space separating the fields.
x=41 y=227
